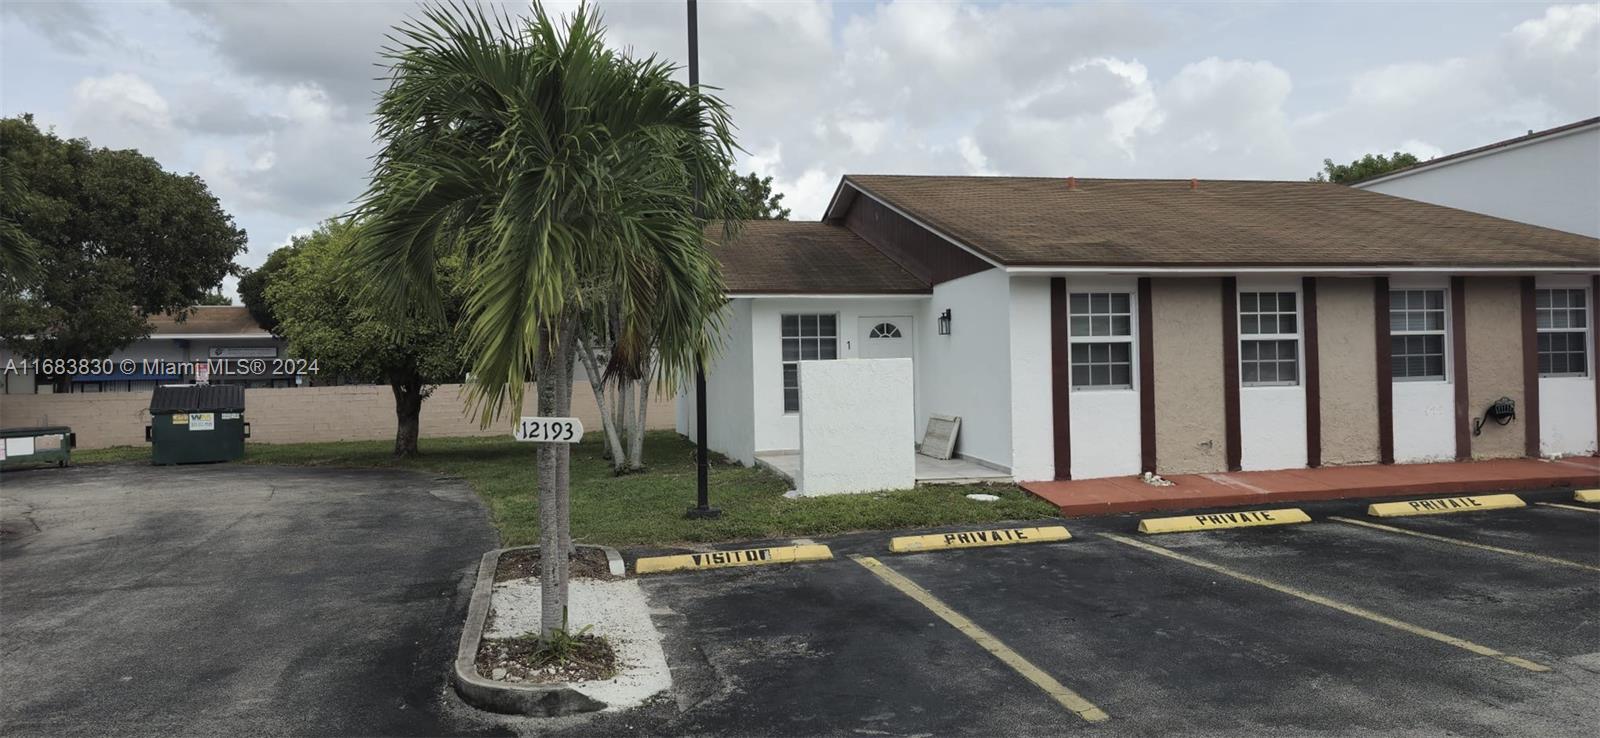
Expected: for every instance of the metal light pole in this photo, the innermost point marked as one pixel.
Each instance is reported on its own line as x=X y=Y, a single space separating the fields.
x=702 y=509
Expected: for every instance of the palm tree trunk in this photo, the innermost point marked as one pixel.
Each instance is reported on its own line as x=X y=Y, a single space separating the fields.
x=408 y=414
x=567 y=347
x=636 y=451
x=552 y=566
x=591 y=365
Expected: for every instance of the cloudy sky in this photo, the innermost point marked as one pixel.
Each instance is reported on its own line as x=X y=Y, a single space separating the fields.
x=270 y=102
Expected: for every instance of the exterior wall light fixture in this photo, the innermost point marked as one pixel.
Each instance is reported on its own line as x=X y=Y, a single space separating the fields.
x=944 y=322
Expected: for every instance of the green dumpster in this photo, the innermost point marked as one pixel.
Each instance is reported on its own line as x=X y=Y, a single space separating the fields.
x=196 y=423
x=41 y=445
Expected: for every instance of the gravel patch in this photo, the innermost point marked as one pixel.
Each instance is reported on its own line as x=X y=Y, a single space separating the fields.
x=615 y=610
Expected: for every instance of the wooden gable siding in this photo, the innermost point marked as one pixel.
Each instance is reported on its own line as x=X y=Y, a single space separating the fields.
x=916 y=249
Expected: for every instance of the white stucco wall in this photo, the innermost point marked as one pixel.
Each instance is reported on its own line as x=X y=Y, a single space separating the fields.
x=1272 y=420
x=1032 y=421
x=1425 y=411
x=729 y=412
x=1552 y=182
x=1566 y=404
x=855 y=426
x=773 y=429
x=965 y=373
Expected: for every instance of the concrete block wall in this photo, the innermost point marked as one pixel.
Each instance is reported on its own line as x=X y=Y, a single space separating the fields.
x=295 y=415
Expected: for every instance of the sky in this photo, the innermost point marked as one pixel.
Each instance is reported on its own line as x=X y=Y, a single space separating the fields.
x=270 y=103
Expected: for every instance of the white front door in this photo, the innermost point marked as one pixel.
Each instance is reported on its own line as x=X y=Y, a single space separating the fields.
x=885 y=337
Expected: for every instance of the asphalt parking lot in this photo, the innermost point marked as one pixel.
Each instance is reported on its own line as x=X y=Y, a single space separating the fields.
x=234 y=600
x=1328 y=627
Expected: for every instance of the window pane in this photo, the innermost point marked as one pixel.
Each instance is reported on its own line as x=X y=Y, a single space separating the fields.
x=1433 y=344
x=1101 y=325
x=1558 y=298
x=1121 y=352
x=1121 y=375
x=1080 y=353
x=791 y=375
x=808 y=325
x=1102 y=375
x=1248 y=372
x=1286 y=323
x=1579 y=361
x=1119 y=302
x=791 y=349
x=1099 y=352
x=1269 y=324
x=1269 y=371
x=1287 y=371
x=1120 y=326
x=1250 y=350
x=1435 y=299
x=791 y=400
x=1558 y=319
x=828 y=348
x=1269 y=302
x=791 y=325
x=1080 y=326
x=1247 y=302
x=1100 y=303
x=826 y=325
x=1080 y=376
x=1249 y=324
x=1434 y=366
x=1415 y=300
x=1397 y=320
x=1397 y=366
x=1541 y=298
x=808 y=349
x=1285 y=302
x=1578 y=299
x=1079 y=303
x=1578 y=319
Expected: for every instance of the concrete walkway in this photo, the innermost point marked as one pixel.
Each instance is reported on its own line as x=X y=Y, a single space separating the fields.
x=1190 y=491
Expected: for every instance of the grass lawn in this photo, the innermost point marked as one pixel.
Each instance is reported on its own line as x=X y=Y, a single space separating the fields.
x=646 y=508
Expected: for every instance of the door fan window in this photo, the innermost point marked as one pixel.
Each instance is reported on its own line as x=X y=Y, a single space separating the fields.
x=884 y=330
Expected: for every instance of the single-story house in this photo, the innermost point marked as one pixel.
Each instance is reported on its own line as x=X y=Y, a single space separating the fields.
x=1549 y=178
x=223 y=335
x=1086 y=328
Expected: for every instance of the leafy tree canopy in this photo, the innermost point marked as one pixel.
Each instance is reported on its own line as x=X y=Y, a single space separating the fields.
x=253 y=288
x=117 y=239
x=755 y=198
x=1370 y=165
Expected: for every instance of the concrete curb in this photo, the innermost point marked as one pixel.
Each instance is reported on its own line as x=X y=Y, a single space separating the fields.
x=539 y=700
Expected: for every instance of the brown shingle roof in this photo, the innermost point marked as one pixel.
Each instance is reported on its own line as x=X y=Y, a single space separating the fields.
x=222 y=320
x=778 y=256
x=1130 y=222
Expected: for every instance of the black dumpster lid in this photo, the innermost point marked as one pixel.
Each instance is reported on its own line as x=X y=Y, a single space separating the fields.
x=197 y=398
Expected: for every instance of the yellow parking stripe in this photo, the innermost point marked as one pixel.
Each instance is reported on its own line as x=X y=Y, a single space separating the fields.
x=1579 y=508
x=1057 y=691
x=1468 y=544
x=1332 y=603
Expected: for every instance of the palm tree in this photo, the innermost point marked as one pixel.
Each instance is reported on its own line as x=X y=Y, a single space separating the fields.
x=562 y=175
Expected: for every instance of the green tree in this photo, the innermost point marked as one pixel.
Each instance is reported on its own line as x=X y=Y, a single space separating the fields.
x=117 y=237
x=19 y=252
x=757 y=201
x=216 y=299
x=318 y=301
x=1370 y=165
x=562 y=174
x=253 y=287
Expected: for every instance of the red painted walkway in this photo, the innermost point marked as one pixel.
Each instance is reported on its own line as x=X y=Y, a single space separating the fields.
x=1129 y=494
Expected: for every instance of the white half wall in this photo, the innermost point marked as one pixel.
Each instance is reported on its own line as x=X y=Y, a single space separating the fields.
x=1032 y=422
x=855 y=426
x=964 y=373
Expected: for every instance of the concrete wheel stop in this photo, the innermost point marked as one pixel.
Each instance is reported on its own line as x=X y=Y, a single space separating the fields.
x=538 y=700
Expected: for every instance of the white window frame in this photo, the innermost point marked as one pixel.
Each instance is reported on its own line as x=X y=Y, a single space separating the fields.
x=1443 y=332
x=1298 y=336
x=1130 y=339
x=784 y=364
x=1584 y=332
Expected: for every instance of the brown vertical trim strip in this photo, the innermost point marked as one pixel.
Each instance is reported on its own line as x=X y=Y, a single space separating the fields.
x=1313 y=373
x=1530 y=371
x=1380 y=310
x=1458 y=365
x=1594 y=362
x=1060 y=378
x=1230 y=369
x=1147 y=380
